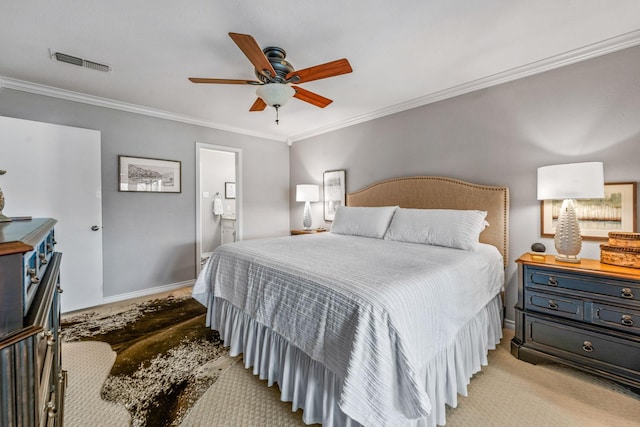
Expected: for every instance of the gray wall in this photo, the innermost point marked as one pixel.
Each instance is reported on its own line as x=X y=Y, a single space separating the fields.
x=497 y=136
x=149 y=239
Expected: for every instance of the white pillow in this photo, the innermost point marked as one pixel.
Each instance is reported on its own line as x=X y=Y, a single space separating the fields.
x=458 y=229
x=361 y=221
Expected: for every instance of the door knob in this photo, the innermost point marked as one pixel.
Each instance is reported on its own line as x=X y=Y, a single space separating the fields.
x=95 y=228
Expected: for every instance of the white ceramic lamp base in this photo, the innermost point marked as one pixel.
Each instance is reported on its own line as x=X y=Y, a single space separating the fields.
x=306 y=218
x=568 y=240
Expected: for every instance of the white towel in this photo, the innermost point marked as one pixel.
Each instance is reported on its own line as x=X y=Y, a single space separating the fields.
x=217 y=205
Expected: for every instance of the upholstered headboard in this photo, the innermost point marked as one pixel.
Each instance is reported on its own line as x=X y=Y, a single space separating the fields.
x=436 y=192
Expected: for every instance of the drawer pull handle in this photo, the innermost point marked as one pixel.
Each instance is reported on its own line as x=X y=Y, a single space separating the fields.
x=552 y=281
x=552 y=305
x=626 y=293
x=50 y=339
x=52 y=412
x=626 y=320
x=32 y=272
x=43 y=259
x=587 y=346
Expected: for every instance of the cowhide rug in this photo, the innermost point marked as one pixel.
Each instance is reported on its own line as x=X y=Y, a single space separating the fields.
x=166 y=356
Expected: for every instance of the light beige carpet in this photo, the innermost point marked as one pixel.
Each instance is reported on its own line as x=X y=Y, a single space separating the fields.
x=87 y=365
x=508 y=392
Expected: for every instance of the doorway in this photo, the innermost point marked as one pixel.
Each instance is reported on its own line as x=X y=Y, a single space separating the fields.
x=218 y=198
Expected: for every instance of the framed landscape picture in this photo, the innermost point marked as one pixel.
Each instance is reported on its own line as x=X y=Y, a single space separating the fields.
x=141 y=174
x=597 y=217
x=334 y=191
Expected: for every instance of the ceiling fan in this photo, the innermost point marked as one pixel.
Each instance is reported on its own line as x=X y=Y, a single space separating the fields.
x=276 y=75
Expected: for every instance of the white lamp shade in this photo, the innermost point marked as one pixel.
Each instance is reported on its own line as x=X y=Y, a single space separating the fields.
x=571 y=181
x=275 y=93
x=307 y=193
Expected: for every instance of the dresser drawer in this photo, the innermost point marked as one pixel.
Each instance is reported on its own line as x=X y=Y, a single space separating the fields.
x=35 y=264
x=553 y=304
x=549 y=279
x=623 y=319
x=609 y=353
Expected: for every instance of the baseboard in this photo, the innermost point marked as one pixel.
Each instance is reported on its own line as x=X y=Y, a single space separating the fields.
x=138 y=294
x=509 y=324
x=146 y=292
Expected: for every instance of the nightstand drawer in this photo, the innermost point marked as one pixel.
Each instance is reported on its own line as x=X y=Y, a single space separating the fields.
x=620 y=289
x=554 y=305
x=608 y=352
x=619 y=318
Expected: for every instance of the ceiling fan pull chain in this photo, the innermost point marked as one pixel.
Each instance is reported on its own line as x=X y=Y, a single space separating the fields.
x=277 y=120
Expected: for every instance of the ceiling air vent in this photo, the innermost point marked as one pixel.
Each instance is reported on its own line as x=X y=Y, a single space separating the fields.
x=80 y=62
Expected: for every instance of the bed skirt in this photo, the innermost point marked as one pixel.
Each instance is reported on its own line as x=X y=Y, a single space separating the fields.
x=309 y=385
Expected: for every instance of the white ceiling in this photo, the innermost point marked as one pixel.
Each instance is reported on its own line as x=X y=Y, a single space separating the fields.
x=404 y=53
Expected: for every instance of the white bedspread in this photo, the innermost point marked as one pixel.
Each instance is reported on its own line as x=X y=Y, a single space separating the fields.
x=374 y=312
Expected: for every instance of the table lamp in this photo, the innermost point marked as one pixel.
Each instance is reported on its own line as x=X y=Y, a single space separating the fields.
x=307 y=193
x=568 y=182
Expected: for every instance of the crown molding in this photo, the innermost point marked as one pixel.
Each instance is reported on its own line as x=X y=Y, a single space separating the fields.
x=591 y=51
x=39 y=89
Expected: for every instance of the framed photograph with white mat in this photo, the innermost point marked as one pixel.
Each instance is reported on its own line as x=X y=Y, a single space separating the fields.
x=141 y=174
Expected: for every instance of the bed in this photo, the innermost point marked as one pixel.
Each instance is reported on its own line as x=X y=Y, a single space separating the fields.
x=365 y=325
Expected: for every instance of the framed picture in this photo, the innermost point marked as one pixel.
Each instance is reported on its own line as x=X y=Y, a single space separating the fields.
x=597 y=217
x=334 y=191
x=229 y=190
x=142 y=174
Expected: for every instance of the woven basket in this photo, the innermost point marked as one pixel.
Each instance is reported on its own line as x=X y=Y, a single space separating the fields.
x=622 y=239
x=622 y=256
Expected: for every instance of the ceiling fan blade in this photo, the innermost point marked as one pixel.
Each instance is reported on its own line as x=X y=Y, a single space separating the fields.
x=224 y=81
x=252 y=51
x=330 y=69
x=311 y=98
x=259 y=105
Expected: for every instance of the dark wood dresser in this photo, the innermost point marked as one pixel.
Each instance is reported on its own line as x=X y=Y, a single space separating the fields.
x=583 y=315
x=32 y=382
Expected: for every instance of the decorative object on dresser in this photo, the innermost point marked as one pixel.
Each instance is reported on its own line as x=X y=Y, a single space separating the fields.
x=622 y=249
x=568 y=182
x=334 y=192
x=586 y=316
x=307 y=193
x=32 y=381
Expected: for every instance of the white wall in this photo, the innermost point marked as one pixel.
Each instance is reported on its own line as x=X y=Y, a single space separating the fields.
x=497 y=136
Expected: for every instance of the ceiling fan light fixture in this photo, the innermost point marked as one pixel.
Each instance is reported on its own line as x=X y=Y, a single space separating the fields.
x=275 y=94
